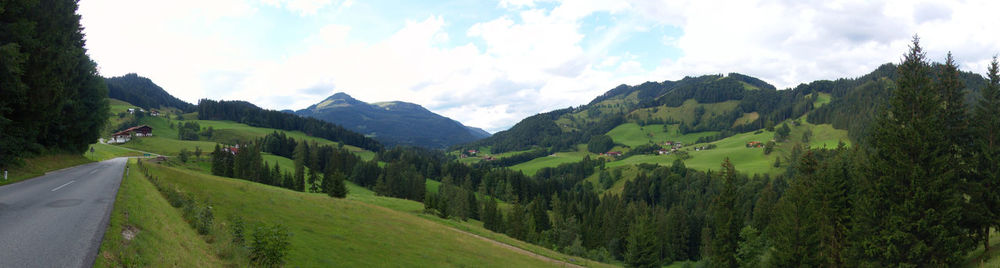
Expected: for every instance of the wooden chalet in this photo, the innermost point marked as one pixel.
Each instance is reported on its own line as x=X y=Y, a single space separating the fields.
x=127 y=134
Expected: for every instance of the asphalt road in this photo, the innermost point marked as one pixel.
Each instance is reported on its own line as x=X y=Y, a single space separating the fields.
x=58 y=220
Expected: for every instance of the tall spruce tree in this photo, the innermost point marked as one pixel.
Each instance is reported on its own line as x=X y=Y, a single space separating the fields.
x=910 y=209
x=986 y=194
x=643 y=247
x=794 y=226
x=725 y=221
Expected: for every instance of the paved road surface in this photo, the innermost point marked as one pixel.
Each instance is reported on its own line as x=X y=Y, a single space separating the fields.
x=58 y=220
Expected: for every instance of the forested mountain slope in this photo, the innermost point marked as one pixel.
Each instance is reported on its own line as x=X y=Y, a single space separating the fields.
x=728 y=104
x=142 y=92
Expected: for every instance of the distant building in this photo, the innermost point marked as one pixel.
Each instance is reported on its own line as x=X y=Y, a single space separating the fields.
x=613 y=154
x=127 y=134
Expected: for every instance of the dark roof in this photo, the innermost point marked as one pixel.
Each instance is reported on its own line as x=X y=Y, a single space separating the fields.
x=126 y=131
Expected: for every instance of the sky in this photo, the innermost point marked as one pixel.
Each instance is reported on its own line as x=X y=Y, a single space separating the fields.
x=489 y=64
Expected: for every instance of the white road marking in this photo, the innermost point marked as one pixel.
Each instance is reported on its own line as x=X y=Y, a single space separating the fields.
x=61 y=186
x=93 y=171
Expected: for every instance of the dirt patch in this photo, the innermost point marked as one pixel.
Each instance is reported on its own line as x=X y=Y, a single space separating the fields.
x=129 y=232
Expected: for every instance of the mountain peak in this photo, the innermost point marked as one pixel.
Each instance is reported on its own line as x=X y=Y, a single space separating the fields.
x=340 y=99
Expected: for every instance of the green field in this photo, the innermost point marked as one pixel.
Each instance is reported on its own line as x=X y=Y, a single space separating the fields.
x=165 y=142
x=344 y=232
x=632 y=134
x=823 y=99
x=161 y=237
x=529 y=168
x=685 y=112
x=748 y=160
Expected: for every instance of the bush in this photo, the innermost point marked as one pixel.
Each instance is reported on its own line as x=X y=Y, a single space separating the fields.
x=269 y=245
x=237 y=228
x=203 y=220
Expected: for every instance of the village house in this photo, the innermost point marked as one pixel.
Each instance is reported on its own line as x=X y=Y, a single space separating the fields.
x=663 y=151
x=232 y=149
x=755 y=144
x=154 y=113
x=613 y=154
x=127 y=134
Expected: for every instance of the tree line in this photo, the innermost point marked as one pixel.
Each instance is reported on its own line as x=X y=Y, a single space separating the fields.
x=247 y=113
x=52 y=99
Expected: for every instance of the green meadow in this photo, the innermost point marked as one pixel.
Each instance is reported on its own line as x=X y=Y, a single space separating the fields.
x=363 y=230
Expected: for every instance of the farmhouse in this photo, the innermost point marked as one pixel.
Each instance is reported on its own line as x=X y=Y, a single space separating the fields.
x=126 y=135
x=613 y=154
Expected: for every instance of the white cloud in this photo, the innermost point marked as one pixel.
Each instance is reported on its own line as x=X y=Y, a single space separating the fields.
x=303 y=7
x=532 y=58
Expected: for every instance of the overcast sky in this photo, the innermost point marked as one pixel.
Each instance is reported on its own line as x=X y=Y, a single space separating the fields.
x=489 y=64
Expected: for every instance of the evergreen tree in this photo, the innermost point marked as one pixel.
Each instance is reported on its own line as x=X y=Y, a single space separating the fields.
x=643 y=247
x=794 y=232
x=540 y=215
x=516 y=225
x=677 y=234
x=725 y=222
x=51 y=97
x=909 y=210
x=985 y=193
x=337 y=186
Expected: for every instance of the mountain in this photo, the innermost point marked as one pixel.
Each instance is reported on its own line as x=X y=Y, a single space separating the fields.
x=717 y=106
x=142 y=92
x=393 y=123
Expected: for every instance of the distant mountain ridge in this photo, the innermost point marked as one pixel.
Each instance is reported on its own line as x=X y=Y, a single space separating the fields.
x=142 y=92
x=742 y=103
x=393 y=123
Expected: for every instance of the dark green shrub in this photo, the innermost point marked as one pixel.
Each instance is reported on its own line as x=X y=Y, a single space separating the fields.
x=269 y=245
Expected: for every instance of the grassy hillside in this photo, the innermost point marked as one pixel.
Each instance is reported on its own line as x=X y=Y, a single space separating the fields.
x=529 y=168
x=345 y=232
x=632 y=134
x=164 y=140
x=39 y=165
x=158 y=235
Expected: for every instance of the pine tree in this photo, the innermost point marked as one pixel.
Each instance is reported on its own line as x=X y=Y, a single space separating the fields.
x=337 y=188
x=725 y=222
x=794 y=226
x=909 y=209
x=986 y=195
x=540 y=215
x=642 y=245
x=677 y=234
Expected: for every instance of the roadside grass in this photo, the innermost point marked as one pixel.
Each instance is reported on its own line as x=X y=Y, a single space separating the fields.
x=344 y=232
x=158 y=235
x=39 y=165
x=105 y=151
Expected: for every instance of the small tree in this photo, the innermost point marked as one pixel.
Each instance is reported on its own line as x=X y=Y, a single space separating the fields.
x=183 y=155
x=197 y=153
x=269 y=245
